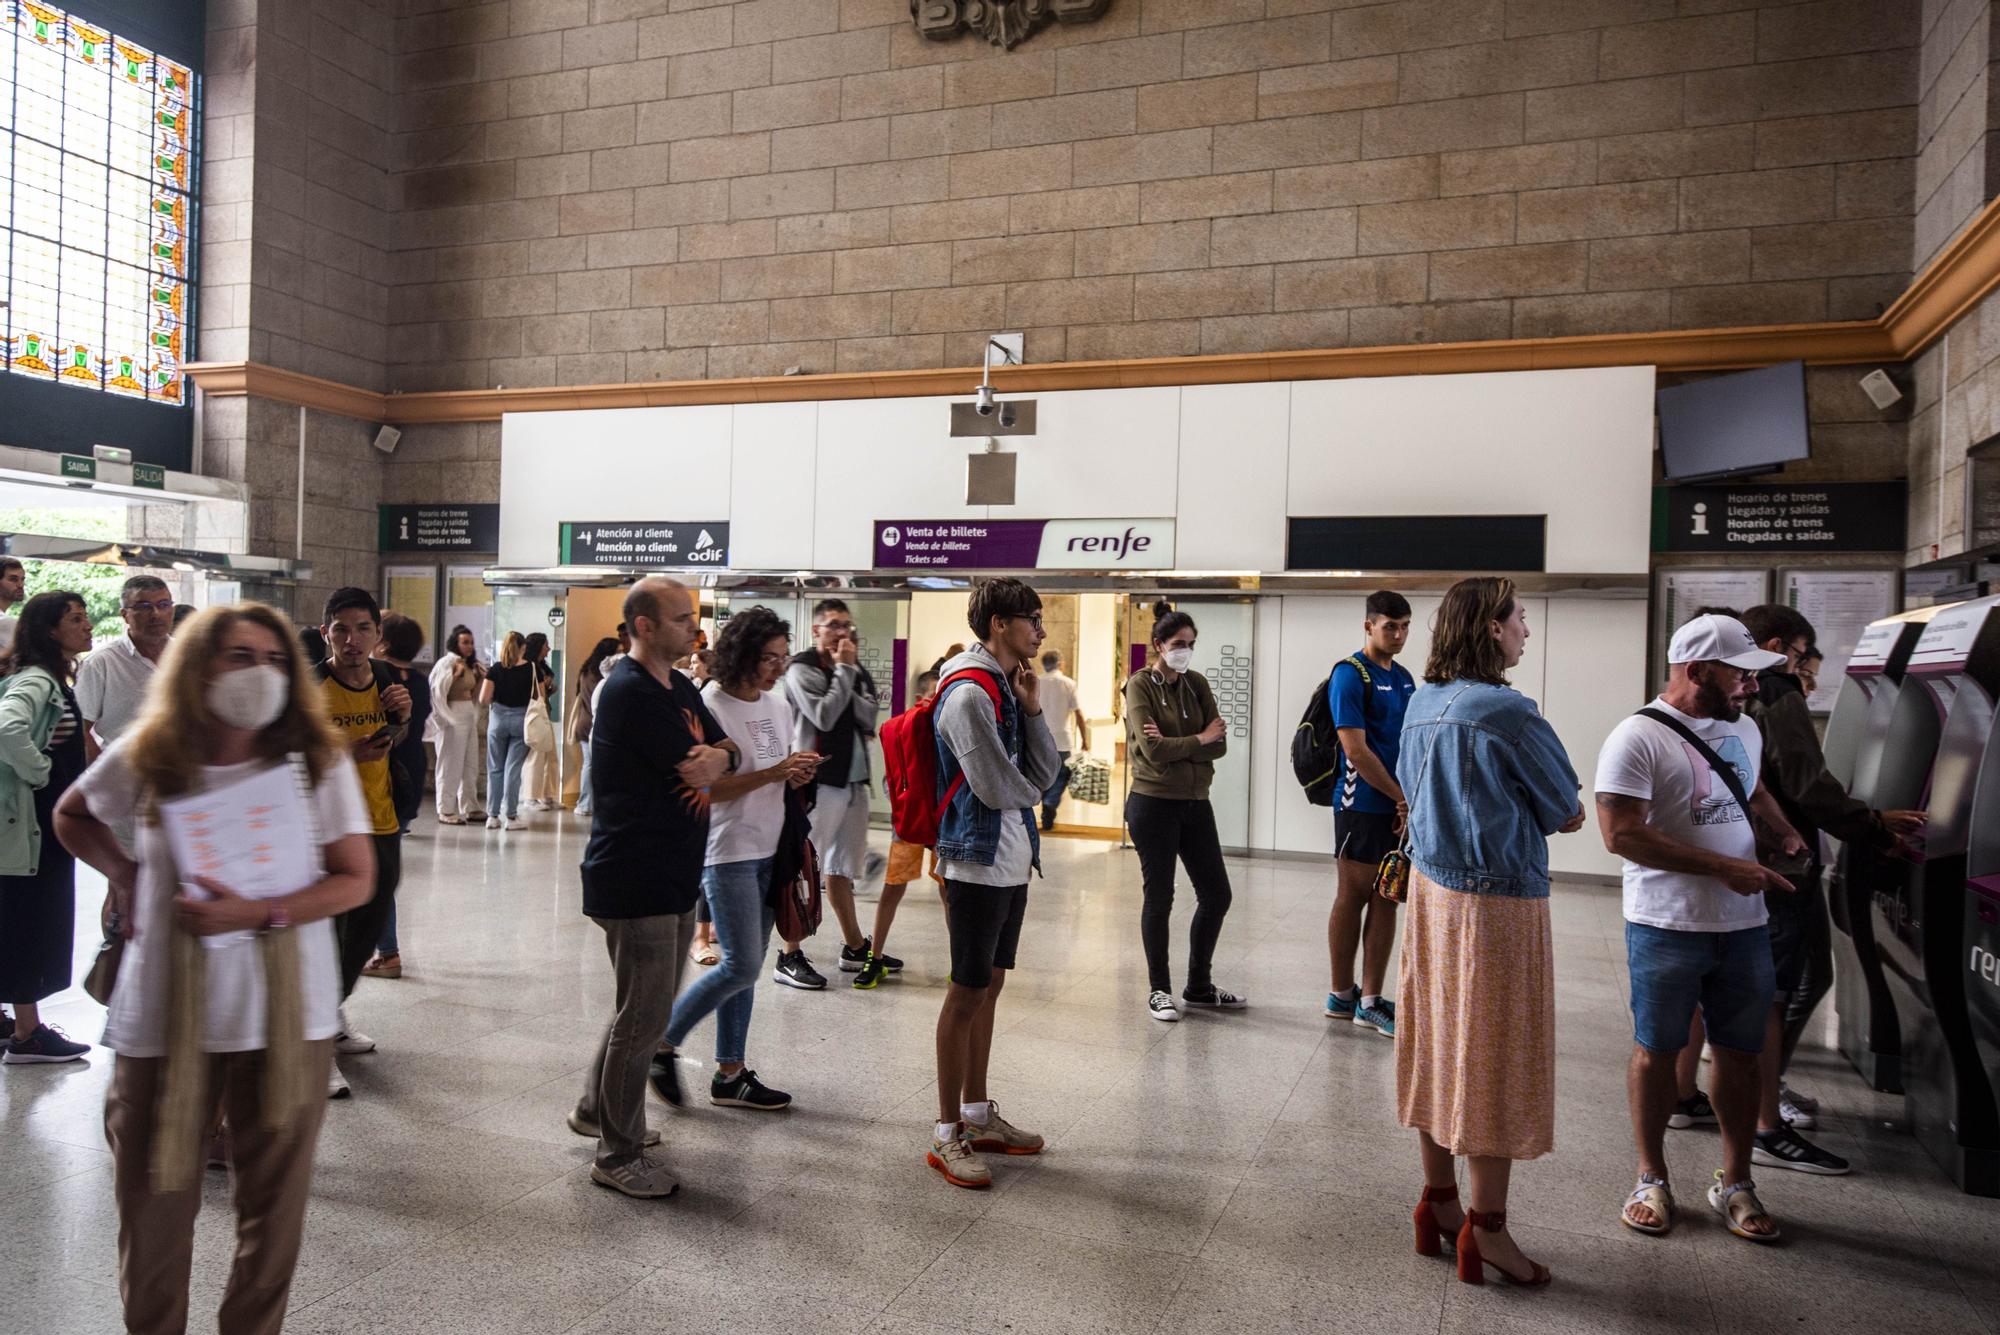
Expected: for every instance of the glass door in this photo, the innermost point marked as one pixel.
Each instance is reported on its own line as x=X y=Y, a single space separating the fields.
x=1225 y=634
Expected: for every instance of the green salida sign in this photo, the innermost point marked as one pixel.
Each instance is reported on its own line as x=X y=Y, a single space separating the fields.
x=149 y=475
x=77 y=466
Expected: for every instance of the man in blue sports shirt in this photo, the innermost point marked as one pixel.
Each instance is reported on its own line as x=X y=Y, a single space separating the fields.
x=1368 y=693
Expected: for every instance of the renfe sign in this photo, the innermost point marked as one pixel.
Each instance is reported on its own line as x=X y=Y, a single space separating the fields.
x=1024 y=544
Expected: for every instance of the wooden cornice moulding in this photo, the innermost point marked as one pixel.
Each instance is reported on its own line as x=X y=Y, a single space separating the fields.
x=1963 y=274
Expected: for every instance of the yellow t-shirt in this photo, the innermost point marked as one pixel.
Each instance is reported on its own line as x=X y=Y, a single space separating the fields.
x=359 y=715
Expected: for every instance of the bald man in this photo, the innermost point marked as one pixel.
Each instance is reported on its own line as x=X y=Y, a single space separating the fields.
x=654 y=750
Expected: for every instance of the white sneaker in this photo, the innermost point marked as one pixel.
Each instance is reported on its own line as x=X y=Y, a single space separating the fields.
x=493 y=822
x=336 y=1084
x=348 y=1042
x=517 y=823
x=1795 y=1114
x=1160 y=1005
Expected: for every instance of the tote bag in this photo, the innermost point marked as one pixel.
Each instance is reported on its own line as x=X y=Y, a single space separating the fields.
x=539 y=733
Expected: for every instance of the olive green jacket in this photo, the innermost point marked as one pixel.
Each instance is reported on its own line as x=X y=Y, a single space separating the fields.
x=31 y=704
x=1174 y=764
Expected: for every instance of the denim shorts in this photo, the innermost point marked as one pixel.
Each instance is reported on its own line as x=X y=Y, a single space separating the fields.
x=1727 y=974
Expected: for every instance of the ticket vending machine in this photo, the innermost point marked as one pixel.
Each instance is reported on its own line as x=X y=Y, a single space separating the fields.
x=1857 y=738
x=1980 y=961
x=1919 y=918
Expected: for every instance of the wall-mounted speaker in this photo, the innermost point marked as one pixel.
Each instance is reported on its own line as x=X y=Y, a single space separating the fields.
x=387 y=438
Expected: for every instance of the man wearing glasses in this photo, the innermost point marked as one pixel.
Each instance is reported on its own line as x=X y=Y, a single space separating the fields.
x=834 y=703
x=111 y=684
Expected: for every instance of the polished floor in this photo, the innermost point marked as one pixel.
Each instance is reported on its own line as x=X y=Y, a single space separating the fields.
x=1232 y=1173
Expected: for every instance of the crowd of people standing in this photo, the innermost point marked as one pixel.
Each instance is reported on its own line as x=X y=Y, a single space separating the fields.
x=726 y=778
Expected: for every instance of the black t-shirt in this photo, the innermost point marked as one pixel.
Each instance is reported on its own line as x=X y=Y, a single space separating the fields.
x=516 y=685
x=649 y=830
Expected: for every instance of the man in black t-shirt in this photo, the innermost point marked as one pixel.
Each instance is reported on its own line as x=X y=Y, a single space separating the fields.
x=654 y=750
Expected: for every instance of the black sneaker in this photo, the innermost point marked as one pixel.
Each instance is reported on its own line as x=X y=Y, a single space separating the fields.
x=1214 y=998
x=871 y=975
x=1694 y=1111
x=852 y=961
x=746 y=1091
x=664 y=1072
x=43 y=1045
x=795 y=970
x=1789 y=1149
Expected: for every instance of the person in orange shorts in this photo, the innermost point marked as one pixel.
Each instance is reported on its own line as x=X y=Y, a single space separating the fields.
x=906 y=864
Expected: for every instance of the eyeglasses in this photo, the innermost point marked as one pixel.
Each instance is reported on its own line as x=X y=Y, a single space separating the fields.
x=1033 y=617
x=836 y=625
x=154 y=606
x=771 y=658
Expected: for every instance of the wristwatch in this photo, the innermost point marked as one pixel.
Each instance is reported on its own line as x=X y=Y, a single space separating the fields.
x=276 y=918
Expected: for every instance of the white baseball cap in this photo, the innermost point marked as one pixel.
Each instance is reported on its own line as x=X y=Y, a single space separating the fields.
x=1720 y=639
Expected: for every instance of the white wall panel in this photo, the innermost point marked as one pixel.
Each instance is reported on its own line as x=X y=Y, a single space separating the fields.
x=1097 y=453
x=1596 y=654
x=771 y=510
x=608 y=464
x=1233 y=445
x=883 y=459
x=1574 y=445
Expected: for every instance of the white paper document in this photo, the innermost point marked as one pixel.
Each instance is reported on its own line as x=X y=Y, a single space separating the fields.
x=252 y=835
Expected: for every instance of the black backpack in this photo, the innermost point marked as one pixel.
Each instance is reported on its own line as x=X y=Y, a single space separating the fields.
x=1316 y=757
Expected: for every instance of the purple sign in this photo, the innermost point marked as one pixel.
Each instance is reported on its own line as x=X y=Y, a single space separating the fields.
x=1024 y=544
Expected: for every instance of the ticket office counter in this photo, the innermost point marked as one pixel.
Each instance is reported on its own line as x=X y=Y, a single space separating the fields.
x=1859 y=736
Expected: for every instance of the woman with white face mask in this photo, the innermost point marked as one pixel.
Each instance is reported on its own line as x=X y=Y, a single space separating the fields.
x=1174 y=736
x=223 y=1003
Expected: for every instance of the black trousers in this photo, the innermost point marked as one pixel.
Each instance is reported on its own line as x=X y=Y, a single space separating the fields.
x=1817 y=980
x=359 y=929
x=1164 y=829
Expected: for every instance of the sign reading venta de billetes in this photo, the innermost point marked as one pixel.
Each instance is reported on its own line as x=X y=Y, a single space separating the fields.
x=439 y=528
x=1806 y=517
x=646 y=544
x=1024 y=544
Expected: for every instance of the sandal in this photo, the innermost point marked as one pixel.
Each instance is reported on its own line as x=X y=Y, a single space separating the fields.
x=706 y=954
x=1724 y=1198
x=1653 y=1193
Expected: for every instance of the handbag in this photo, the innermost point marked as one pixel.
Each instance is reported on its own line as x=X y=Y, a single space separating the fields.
x=1392 y=873
x=795 y=883
x=103 y=976
x=536 y=729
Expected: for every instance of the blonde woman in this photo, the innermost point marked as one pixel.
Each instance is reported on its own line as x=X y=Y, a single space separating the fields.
x=224 y=1005
x=508 y=687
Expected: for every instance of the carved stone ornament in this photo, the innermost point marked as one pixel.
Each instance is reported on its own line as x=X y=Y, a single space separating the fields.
x=1004 y=23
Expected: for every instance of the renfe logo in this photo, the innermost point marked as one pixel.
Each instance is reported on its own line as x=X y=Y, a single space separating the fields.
x=1118 y=547
x=1985 y=965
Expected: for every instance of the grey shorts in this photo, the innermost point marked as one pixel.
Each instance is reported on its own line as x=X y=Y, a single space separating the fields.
x=840 y=829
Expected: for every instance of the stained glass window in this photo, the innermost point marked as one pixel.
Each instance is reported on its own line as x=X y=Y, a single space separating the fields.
x=96 y=215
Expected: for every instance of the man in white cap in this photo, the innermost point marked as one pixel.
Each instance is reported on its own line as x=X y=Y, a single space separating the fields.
x=1676 y=785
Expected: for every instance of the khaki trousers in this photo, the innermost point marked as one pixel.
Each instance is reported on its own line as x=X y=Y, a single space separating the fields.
x=273 y=1177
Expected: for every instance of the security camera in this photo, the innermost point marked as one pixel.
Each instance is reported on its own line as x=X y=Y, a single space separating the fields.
x=985 y=405
x=1007 y=414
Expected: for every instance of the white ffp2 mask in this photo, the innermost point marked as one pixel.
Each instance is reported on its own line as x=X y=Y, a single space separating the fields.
x=1178 y=659
x=250 y=698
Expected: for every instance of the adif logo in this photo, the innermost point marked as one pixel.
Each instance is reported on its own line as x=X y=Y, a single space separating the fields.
x=704 y=540
x=892 y=536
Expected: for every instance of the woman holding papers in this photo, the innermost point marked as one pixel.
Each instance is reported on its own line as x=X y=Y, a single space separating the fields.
x=252 y=834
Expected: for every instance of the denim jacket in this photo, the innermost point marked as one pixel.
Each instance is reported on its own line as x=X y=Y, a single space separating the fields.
x=1488 y=781
x=968 y=828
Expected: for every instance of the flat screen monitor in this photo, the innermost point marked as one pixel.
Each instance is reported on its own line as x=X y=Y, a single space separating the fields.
x=1731 y=425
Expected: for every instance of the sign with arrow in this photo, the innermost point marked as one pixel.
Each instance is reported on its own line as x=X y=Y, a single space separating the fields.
x=646 y=544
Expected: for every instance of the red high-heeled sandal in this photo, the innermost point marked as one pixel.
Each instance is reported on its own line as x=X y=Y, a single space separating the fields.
x=1432 y=1239
x=1472 y=1266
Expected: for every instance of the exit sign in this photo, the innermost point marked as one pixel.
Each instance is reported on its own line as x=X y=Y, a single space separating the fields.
x=149 y=475
x=75 y=465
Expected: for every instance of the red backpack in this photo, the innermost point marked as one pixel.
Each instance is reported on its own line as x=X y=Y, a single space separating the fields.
x=910 y=763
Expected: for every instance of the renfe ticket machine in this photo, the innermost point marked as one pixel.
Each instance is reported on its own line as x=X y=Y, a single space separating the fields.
x=1857 y=738
x=1920 y=918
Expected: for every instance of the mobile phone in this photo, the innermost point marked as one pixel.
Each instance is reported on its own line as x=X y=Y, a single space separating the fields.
x=381 y=734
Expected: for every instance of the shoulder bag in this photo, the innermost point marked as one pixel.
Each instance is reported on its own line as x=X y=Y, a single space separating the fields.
x=1392 y=875
x=1723 y=769
x=536 y=729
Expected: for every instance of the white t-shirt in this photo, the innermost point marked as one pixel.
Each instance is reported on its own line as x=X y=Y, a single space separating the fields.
x=235 y=1008
x=8 y=625
x=1690 y=803
x=748 y=827
x=1059 y=709
x=111 y=687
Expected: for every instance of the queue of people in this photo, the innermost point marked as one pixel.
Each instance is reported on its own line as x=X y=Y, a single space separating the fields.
x=739 y=792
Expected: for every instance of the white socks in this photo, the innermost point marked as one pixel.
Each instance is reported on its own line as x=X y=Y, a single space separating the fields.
x=1370 y=1003
x=945 y=1131
x=1351 y=994
x=977 y=1114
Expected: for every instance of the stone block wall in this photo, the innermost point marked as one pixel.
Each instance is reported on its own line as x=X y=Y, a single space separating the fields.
x=598 y=191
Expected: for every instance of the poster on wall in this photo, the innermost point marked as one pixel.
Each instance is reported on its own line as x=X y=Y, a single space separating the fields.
x=1840 y=604
x=1677 y=593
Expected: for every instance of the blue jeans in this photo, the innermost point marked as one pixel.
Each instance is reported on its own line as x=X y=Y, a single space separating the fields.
x=387 y=945
x=1057 y=787
x=583 y=785
x=1728 y=974
x=506 y=753
x=738 y=894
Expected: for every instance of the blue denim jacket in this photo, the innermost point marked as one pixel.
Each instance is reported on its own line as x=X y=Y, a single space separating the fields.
x=1488 y=781
x=968 y=829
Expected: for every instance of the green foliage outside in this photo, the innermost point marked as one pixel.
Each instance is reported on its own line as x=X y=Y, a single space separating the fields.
x=98 y=584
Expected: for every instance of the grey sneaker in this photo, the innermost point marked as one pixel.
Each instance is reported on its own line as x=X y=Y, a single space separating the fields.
x=583 y=1125
x=640 y=1176
x=955 y=1160
x=1000 y=1136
